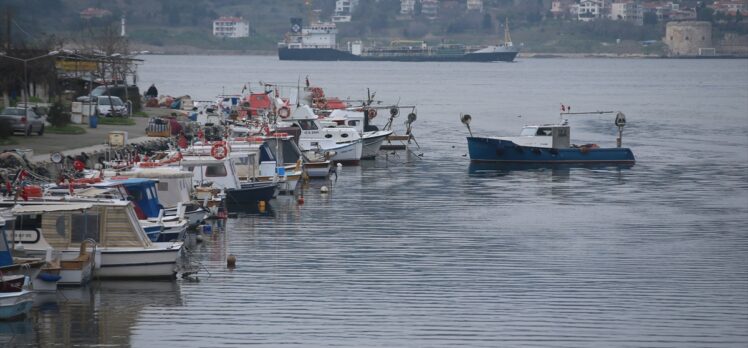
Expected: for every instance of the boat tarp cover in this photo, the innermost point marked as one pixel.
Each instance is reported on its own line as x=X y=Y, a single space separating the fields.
x=118 y=227
x=47 y=208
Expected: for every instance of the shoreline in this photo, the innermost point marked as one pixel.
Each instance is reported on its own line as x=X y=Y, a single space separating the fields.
x=521 y=55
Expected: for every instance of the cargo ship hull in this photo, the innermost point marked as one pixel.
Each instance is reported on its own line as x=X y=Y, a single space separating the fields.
x=331 y=54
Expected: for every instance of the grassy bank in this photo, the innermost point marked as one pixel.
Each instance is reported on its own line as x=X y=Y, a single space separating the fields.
x=67 y=129
x=7 y=141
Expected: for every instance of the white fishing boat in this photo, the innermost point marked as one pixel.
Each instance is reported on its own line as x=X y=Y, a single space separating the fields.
x=123 y=248
x=344 y=142
x=372 y=137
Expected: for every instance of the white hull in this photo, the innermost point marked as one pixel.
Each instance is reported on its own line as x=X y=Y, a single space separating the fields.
x=159 y=262
x=75 y=277
x=372 y=143
x=350 y=152
x=318 y=171
x=14 y=304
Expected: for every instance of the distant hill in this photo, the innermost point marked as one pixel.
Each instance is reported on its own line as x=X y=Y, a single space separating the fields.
x=186 y=26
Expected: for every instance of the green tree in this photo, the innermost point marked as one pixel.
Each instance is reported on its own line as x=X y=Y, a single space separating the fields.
x=58 y=116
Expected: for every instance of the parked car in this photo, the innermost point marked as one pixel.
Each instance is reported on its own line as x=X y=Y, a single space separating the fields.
x=109 y=106
x=23 y=120
x=123 y=93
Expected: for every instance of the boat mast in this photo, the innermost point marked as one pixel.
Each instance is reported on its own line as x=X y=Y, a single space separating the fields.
x=507 y=36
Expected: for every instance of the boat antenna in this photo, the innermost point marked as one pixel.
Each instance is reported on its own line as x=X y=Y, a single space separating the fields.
x=465 y=119
x=298 y=90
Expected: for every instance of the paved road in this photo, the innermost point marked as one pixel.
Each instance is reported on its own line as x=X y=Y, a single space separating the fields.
x=48 y=143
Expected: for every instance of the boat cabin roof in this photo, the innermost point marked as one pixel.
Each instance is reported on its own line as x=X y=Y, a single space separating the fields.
x=48 y=208
x=541 y=130
x=127 y=181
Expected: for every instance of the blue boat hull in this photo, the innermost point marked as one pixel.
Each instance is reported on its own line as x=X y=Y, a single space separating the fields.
x=498 y=150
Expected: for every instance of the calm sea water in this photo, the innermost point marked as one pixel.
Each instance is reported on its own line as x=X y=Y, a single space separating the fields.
x=427 y=251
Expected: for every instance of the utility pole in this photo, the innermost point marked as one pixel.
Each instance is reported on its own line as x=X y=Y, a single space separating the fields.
x=7 y=27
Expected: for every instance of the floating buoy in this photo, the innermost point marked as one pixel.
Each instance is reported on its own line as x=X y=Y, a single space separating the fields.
x=324 y=189
x=261 y=206
x=300 y=200
x=340 y=165
x=231 y=261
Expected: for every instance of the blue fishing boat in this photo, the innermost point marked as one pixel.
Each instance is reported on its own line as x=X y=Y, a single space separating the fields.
x=150 y=212
x=548 y=143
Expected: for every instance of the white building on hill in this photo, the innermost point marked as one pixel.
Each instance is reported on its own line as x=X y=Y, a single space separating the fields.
x=407 y=7
x=344 y=10
x=232 y=27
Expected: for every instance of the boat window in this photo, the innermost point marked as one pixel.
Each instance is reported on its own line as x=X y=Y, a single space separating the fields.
x=189 y=168
x=84 y=226
x=163 y=186
x=544 y=131
x=215 y=170
x=526 y=132
x=344 y=135
x=353 y=123
x=307 y=125
x=60 y=225
x=562 y=132
x=149 y=194
x=328 y=136
x=28 y=222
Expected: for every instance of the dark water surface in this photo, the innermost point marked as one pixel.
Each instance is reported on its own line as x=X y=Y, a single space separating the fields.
x=430 y=251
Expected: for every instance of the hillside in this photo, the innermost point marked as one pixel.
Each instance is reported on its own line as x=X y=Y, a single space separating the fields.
x=174 y=26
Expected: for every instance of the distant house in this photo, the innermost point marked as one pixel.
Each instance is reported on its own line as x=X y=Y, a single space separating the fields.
x=344 y=10
x=561 y=8
x=588 y=10
x=730 y=7
x=430 y=8
x=93 y=12
x=232 y=27
x=407 y=7
x=629 y=11
x=475 y=5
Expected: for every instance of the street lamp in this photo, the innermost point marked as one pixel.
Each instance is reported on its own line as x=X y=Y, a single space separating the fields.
x=26 y=75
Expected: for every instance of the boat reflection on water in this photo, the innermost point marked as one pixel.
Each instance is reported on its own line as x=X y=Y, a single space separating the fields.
x=252 y=209
x=103 y=313
x=18 y=332
x=557 y=170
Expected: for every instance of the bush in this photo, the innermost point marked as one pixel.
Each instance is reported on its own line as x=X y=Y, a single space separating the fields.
x=5 y=130
x=58 y=116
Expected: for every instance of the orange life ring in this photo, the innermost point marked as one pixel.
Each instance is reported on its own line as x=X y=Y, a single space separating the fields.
x=372 y=113
x=219 y=150
x=252 y=140
x=284 y=112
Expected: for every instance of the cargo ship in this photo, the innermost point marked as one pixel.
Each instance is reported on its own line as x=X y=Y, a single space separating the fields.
x=318 y=42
